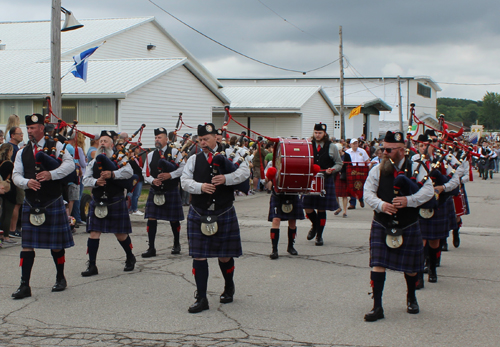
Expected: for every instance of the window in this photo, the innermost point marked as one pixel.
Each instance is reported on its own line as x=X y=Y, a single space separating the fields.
x=97 y=111
x=19 y=107
x=337 y=124
x=423 y=90
x=69 y=113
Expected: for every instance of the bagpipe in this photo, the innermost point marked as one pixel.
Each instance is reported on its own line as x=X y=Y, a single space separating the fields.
x=223 y=165
x=118 y=160
x=46 y=160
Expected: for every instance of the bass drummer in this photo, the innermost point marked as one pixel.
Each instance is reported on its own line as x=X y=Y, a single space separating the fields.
x=327 y=156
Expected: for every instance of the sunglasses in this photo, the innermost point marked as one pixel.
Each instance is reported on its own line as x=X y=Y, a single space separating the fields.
x=388 y=150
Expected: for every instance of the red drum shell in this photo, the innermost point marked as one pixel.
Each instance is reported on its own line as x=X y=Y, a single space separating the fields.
x=460 y=205
x=293 y=160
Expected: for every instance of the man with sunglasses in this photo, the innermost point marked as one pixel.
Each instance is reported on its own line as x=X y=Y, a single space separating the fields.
x=405 y=256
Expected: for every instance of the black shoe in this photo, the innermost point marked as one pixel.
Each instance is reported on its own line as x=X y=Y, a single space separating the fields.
x=130 y=263
x=151 y=252
x=319 y=241
x=201 y=304
x=292 y=250
x=22 y=292
x=412 y=306
x=432 y=276
x=227 y=296
x=311 y=234
x=362 y=204
x=456 y=238
x=60 y=285
x=274 y=254
x=375 y=314
x=91 y=270
x=176 y=249
x=351 y=207
x=444 y=247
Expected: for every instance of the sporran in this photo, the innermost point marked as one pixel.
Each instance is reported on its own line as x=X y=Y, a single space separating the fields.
x=209 y=225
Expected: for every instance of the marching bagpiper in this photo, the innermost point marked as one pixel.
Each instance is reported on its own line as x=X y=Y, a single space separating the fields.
x=162 y=171
x=44 y=219
x=108 y=207
x=395 y=239
x=213 y=230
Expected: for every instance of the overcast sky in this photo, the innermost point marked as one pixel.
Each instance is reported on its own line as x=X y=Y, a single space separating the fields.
x=451 y=41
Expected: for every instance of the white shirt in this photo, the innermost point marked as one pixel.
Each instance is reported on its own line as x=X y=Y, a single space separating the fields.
x=191 y=186
x=360 y=156
x=174 y=174
x=419 y=198
x=67 y=166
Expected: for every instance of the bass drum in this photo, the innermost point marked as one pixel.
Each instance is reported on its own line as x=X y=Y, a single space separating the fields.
x=293 y=159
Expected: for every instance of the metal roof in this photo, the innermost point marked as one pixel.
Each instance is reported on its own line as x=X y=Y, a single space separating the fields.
x=104 y=77
x=272 y=97
x=25 y=62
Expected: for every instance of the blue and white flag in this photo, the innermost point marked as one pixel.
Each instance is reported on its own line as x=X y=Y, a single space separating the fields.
x=79 y=68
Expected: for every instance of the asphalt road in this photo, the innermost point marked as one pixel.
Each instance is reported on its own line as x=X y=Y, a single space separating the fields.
x=317 y=298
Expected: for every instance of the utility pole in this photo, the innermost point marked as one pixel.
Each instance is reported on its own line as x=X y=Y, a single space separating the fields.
x=400 y=105
x=55 y=59
x=341 y=57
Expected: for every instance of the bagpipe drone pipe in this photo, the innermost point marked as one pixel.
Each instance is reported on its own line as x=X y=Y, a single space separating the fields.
x=222 y=165
x=440 y=175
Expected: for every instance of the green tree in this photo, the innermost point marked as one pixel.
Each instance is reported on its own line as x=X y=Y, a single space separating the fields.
x=490 y=115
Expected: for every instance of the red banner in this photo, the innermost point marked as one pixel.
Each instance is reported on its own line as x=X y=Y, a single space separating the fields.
x=356 y=177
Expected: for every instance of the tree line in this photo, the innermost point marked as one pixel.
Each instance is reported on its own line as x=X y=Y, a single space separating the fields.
x=485 y=111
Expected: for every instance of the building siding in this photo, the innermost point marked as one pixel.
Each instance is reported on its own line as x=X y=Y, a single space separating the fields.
x=158 y=105
x=316 y=110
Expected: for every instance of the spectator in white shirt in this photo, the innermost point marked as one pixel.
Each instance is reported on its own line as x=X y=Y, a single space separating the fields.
x=361 y=158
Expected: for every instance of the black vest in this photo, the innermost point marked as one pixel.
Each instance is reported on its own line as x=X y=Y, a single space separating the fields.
x=111 y=189
x=322 y=158
x=203 y=173
x=404 y=216
x=154 y=170
x=50 y=190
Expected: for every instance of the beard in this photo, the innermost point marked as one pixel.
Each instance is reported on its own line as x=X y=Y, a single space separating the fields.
x=104 y=150
x=386 y=167
x=158 y=145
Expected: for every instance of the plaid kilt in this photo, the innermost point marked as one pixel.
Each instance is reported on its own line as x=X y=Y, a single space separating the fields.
x=171 y=210
x=407 y=258
x=117 y=220
x=55 y=233
x=276 y=212
x=340 y=187
x=225 y=243
x=327 y=202
x=437 y=227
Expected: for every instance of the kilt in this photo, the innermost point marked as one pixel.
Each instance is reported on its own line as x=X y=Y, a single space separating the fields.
x=117 y=220
x=437 y=227
x=276 y=212
x=408 y=258
x=171 y=210
x=327 y=202
x=225 y=243
x=55 y=233
x=340 y=187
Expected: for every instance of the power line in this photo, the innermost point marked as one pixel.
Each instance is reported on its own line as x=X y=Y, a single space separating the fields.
x=295 y=26
x=233 y=50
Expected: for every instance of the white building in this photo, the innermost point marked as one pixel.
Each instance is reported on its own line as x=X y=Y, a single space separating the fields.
x=285 y=111
x=378 y=97
x=128 y=84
